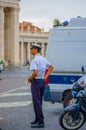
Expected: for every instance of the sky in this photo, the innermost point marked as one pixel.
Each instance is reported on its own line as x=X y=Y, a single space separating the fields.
x=42 y=12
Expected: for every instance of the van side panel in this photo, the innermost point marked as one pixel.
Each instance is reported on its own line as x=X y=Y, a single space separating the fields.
x=67 y=49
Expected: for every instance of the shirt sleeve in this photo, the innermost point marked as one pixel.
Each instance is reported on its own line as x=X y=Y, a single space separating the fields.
x=33 y=65
x=47 y=63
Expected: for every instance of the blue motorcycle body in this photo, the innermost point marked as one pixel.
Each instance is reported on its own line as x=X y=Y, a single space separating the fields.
x=74 y=116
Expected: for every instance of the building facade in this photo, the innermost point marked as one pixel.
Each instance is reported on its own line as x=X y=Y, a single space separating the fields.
x=28 y=34
x=9 y=30
x=16 y=38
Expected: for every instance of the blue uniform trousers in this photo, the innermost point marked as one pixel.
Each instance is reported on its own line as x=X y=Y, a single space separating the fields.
x=37 y=89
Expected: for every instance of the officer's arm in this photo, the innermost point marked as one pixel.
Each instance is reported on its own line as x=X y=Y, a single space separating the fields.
x=34 y=74
x=50 y=68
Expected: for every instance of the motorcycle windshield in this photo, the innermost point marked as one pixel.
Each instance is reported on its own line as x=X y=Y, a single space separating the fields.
x=82 y=81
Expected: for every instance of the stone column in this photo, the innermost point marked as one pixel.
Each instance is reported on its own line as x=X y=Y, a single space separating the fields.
x=7 y=45
x=1 y=33
x=29 y=51
x=22 y=53
x=14 y=35
x=42 y=49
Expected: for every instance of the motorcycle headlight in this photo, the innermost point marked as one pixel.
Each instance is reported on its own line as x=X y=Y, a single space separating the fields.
x=77 y=87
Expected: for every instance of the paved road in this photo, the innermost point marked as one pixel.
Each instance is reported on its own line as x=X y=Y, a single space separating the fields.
x=16 y=109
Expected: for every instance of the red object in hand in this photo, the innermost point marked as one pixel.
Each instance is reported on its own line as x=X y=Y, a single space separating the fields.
x=47 y=80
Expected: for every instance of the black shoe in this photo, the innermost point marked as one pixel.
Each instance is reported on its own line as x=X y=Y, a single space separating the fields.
x=34 y=122
x=0 y=129
x=37 y=125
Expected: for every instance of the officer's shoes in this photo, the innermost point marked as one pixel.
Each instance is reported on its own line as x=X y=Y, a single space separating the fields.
x=34 y=122
x=37 y=125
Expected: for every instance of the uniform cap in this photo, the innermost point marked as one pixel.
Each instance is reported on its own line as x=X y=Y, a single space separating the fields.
x=36 y=46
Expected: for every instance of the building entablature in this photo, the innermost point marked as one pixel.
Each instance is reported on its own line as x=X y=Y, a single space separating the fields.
x=9 y=3
x=33 y=37
x=31 y=40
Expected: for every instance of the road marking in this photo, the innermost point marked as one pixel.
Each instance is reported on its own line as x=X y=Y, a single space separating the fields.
x=15 y=94
x=15 y=104
x=24 y=87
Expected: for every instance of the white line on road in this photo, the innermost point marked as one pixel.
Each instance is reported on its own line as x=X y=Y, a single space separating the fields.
x=24 y=87
x=15 y=94
x=15 y=104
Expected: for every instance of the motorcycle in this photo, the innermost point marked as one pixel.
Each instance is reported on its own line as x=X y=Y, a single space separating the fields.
x=79 y=85
x=74 y=116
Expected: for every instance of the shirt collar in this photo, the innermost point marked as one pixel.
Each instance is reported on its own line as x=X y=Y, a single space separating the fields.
x=37 y=55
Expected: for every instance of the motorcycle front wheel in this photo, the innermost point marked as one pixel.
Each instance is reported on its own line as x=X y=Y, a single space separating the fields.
x=67 y=122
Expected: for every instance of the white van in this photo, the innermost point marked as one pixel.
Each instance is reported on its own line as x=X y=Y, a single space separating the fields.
x=66 y=51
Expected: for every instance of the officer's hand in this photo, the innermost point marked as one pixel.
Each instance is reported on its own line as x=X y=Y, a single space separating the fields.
x=45 y=77
x=29 y=79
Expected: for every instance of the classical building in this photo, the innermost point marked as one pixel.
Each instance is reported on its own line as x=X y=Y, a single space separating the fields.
x=16 y=38
x=9 y=30
x=28 y=34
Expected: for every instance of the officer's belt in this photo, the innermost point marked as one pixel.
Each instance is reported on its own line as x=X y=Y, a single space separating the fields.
x=39 y=77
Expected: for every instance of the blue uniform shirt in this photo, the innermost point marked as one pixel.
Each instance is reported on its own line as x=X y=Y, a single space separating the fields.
x=39 y=63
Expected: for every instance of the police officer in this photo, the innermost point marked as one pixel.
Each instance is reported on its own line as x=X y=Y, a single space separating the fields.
x=38 y=67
